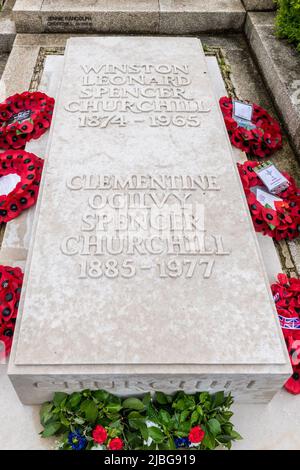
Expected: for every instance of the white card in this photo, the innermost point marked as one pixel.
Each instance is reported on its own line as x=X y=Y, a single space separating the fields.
x=266 y=198
x=242 y=110
x=8 y=183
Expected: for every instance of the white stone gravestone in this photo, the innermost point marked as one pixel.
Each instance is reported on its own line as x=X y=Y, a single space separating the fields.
x=144 y=271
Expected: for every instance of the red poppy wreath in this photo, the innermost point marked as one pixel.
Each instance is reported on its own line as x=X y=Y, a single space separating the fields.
x=10 y=290
x=24 y=117
x=26 y=168
x=261 y=141
x=283 y=223
x=286 y=293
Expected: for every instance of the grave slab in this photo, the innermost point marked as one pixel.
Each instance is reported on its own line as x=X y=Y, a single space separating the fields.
x=121 y=310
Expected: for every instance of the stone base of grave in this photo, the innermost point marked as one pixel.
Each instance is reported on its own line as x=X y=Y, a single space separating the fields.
x=130 y=16
x=259 y=5
x=247 y=384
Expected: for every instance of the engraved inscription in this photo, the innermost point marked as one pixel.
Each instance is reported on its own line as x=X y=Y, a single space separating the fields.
x=67 y=22
x=141 y=223
x=157 y=95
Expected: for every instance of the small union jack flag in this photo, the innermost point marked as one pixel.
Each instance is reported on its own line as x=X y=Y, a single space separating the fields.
x=289 y=323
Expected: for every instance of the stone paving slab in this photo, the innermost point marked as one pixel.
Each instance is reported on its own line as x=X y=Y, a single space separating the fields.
x=280 y=66
x=259 y=5
x=130 y=16
x=194 y=16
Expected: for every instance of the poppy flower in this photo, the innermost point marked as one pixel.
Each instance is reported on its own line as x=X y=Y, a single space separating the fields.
x=26 y=127
x=231 y=124
x=282 y=223
x=16 y=141
x=261 y=141
x=29 y=168
x=226 y=105
x=10 y=290
x=292 y=385
x=24 y=117
x=270 y=216
x=287 y=292
x=254 y=206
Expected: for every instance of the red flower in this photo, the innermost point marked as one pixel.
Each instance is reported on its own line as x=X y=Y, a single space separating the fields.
x=270 y=216
x=261 y=141
x=24 y=117
x=10 y=290
x=116 y=444
x=29 y=168
x=284 y=223
x=293 y=383
x=26 y=127
x=196 y=435
x=99 y=434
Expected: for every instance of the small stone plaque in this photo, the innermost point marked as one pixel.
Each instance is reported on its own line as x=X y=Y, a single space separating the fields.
x=143 y=250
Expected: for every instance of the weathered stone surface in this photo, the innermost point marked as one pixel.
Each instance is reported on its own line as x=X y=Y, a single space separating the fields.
x=194 y=16
x=280 y=65
x=87 y=16
x=257 y=382
x=259 y=5
x=164 y=16
x=7 y=32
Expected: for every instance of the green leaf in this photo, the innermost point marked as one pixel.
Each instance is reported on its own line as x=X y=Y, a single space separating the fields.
x=79 y=420
x=185 y=427
x=136 y=420
x=133 y=404
x=100 y=395
x=51 y=429
x=45 y=413
x=144 y=431
x=203 y=396
x=214 y=426
x=151 y=412
x=113 y=407
x=209 y=441
x=184 y=415
x=165 y=418
x=218 y=399
x=195 y=417
x=58 y=398
x=168 y=445
x=161 y=398
x=147 y=399
x=180 y=404
x=236 y=435
x=74 y=400
x=156 y=434
x=90 y=410
x=224 y=438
